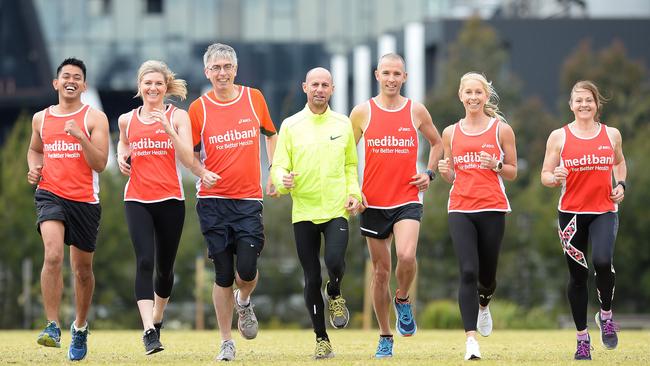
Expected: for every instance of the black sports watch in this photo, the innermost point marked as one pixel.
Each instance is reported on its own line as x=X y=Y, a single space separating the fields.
x=431 y=174
x=622 y=184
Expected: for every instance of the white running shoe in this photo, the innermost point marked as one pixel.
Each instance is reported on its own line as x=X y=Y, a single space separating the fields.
x=484 y=321
x=227 y=352
x=472 y=351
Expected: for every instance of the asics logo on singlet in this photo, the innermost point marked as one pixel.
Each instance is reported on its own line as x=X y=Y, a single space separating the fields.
x=604 y=147
x=61 y=146
x=147 y=143
x=470 y=157
x=487 y=146
x=244 y=120
x=391 y=141
x=404 y=129
x=232 y=135
x=160 y=130
x=589 y=160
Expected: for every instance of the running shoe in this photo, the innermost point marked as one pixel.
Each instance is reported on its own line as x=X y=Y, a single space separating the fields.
x=151 y=342
x=339 y=313
x=484 y=321
x=608 y=330
x=227 y=352
x=405 y=323
x=583 y=351
x=247 y=322
x=385 y=347
x=79 y=345
x=323 y=349
x=158 y=327
x=472 y=351
x=50 y=336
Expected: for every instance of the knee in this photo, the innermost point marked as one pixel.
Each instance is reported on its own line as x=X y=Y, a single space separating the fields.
x=83 y=273
x=468 y=275
x=145 y=265
x=313 y=280
x=602 y=264
x=223 y=279
x=53 y=260
x=335 y=265
x=406 y=259
x=381 y=275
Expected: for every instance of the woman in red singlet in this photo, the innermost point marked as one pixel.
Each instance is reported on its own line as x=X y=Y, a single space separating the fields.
x=154 y=138
x=479 y=152
x=581 y=158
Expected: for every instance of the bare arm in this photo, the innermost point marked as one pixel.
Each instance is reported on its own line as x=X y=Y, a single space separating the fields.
x=359 y=118
x=553 y=175
x=507 y=141
x=35 y=150
x=182 y=137
x=445 y=166
x=620 y=168
x=430 y=132
x=123 y=149
x=95 y=148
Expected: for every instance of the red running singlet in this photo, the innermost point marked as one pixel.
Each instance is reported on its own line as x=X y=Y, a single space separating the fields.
x=391 y=154
x=229 y=133
x=476 y=189
x=155 y=171
x=65 y=170
x=589 y=183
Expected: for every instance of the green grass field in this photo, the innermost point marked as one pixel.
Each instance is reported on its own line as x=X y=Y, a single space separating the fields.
x=352 y=347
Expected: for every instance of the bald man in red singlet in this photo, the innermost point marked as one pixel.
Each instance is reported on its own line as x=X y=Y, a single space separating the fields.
x=67 y=151
x=392 y=189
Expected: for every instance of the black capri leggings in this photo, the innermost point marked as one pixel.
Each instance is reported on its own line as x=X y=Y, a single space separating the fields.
x=155 y=230
x=477 y=241
x=308 y=242
x=576 y=231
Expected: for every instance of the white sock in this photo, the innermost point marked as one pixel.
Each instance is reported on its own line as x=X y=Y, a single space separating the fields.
x=80 y=329
x=241 y=302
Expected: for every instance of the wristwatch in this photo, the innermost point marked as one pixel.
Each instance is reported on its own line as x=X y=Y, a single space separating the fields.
x=499 y=166
x=431 y=174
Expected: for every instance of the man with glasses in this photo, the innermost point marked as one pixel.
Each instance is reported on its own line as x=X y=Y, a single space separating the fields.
x=226 y=126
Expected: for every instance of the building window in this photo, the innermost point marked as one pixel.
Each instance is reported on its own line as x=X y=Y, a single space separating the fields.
x=154 y=6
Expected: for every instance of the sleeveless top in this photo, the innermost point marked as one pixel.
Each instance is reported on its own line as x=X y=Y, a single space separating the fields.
x=155 y=172
x=65 y=170
x=476 y=189
x=589 y=183
x=391 y=154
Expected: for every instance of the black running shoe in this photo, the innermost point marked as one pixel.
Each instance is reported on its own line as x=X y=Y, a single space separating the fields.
x=151 y=342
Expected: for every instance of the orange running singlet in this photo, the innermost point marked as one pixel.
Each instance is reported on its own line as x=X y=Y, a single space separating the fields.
x=391 y=154
x=65 y=170
x=155 y=173
x=476 y=189
x=589 y=183
x=229 y=134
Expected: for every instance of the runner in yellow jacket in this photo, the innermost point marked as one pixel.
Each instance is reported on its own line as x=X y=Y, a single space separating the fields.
x=315 y=161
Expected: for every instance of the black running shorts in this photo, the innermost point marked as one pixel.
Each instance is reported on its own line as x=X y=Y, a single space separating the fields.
x=81 y=219
x=378 y=223
x=224 y=222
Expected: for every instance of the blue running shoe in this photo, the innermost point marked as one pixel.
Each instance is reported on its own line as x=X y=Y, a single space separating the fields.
x=79 y=345
x=385 y=347
x=50 y=336
x=405 y=323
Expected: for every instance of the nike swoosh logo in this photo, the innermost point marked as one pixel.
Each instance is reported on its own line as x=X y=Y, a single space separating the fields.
x=342 y=229
x=334 y=137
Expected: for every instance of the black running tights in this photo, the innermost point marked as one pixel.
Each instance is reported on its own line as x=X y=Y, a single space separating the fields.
x=600 y=230
x=308 y=242
x=155 y=230
x=477 y=241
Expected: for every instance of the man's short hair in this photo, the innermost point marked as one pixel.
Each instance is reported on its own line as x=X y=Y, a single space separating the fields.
x=74 y=62
x=219 y=50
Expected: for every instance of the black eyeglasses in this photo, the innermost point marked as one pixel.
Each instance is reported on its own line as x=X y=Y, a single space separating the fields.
x=217 y=68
